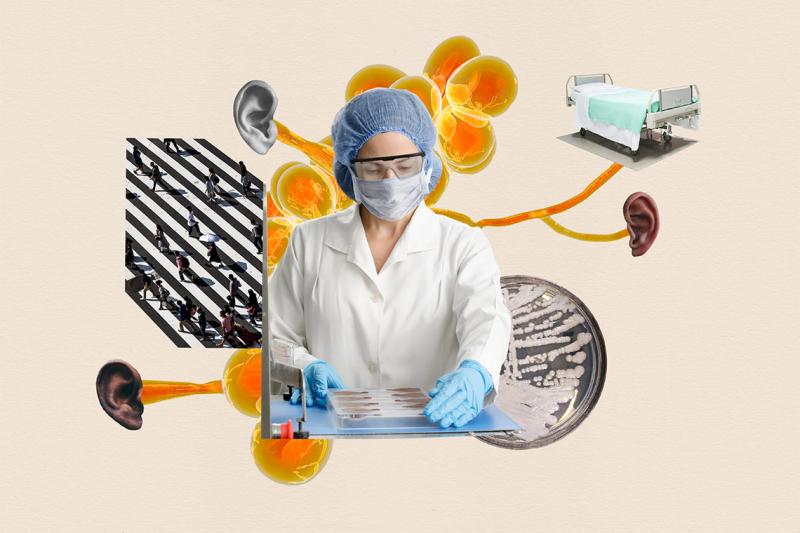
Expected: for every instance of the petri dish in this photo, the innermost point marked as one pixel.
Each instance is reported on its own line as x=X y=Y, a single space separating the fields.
x=556 y=365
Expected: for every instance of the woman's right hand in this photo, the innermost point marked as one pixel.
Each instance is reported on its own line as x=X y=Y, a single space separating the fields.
x=319 y=376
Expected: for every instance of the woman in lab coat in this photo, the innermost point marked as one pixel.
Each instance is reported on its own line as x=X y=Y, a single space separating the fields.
x=388 y=293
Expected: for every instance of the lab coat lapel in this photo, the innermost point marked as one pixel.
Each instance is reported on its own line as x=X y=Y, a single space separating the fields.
x=348 y=236
x=421 y=233
x=359 y=253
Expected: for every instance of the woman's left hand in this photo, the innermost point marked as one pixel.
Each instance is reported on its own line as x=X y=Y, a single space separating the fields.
x=458 y=395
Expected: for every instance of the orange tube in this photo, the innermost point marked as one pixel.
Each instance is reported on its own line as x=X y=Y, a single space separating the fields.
x=319 y=153
x=157 y=391
x=536 y=213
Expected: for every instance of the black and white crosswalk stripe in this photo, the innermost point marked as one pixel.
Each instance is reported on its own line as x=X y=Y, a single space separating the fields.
x=205 y=159
x=197 y=165
x=166 y=321
x=172 y=212
x=226 y=159
x=192 y=181
x=183 y=176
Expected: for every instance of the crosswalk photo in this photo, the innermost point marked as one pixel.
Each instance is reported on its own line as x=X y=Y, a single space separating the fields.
x=193 y=242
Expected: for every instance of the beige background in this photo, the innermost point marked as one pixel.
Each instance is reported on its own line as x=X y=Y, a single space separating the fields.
x=697 y=429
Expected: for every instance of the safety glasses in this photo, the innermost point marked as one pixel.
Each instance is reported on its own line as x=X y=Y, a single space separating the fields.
x=375 y=168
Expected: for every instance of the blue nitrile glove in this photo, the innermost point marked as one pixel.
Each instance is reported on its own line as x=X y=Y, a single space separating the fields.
x=458 y=395
x=320 y=376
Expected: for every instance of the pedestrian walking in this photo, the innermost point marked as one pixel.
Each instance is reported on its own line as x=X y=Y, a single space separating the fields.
x=155 y=175
x=253 y=309
x=182 y=262
x=161 y=239
x=230 y=309
x=128 y=252
x=246 y=182
x=211 y=188
x=191 y=308
x=169 y=141
x=163 y=296
x=212 y=174
x=192 y=223
x=252 y=300
x=202 y=323
x=147 y=285
x=256 y=234
x=213 y=254
x=233 y=286
x=183 y=318
x=137 y=160
x=227 y=329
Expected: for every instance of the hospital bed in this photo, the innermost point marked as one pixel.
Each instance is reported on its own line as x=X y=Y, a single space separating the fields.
x=622 y=114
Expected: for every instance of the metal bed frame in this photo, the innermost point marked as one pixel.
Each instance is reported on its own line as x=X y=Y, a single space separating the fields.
x=675 y=103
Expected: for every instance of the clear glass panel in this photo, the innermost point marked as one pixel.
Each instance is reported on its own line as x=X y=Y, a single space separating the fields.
x=376 y=170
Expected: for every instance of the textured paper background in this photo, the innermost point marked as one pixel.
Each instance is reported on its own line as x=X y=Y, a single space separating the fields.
x=697 y=429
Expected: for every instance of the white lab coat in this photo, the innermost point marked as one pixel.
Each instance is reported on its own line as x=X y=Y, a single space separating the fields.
x=436 y=301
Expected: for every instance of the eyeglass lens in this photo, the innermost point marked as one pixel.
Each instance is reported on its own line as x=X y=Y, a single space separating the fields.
x=375 y=170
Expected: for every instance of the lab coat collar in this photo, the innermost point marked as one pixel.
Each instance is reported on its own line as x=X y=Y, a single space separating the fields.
x=347 y=235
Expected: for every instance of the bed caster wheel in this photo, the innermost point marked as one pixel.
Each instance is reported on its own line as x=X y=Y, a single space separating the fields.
x=634 y=153
x=583 y=132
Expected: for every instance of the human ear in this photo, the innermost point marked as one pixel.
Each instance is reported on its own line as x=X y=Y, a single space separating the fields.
x=119 y=389
x=253 y=110
x=641 y=215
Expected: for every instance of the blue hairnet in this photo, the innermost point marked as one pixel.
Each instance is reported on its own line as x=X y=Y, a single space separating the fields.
x=376 y=111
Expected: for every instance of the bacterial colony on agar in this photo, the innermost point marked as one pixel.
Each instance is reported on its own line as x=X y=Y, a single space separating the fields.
x=556 y=363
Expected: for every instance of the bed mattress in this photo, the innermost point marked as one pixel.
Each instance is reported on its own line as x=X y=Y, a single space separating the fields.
x=615 y=112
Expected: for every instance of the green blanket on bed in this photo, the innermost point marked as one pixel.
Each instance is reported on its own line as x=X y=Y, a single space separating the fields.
x=625 y=109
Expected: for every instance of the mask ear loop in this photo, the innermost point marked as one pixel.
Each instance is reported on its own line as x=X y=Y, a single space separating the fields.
x=427 y=173
x=354 y=180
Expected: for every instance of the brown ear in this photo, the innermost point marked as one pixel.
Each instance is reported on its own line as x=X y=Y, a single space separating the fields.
x=641 y=215
x=119 y=389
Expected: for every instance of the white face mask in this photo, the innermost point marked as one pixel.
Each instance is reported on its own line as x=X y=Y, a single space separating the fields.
x=391 y=198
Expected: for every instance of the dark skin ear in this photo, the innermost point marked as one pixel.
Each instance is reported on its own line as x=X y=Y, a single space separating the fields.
x=253 y=111
x=641 y=215
x=119 y=389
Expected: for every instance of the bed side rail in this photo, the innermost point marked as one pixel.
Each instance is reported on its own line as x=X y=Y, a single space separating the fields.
x=580 y=79
x=673 y=102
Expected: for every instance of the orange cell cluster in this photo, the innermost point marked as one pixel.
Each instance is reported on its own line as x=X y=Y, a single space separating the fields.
x=462 y=90
x=289 y=461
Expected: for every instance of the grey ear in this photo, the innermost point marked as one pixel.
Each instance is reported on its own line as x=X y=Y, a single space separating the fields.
x=253 y=110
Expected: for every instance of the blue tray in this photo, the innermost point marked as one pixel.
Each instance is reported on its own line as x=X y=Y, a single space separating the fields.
x=319 y=424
